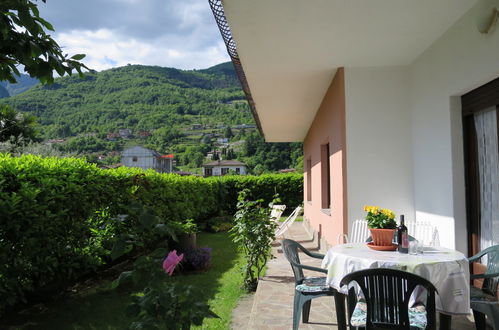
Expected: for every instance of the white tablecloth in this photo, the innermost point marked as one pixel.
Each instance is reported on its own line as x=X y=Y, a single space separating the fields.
x=446 y=269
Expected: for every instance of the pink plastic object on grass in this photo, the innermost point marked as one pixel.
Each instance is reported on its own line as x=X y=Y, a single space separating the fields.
x=171 y=261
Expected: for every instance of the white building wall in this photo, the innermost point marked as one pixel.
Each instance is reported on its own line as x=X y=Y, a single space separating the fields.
x=461 y=60
x=142 y=162
x=217 y=170
x=378 y=129
x=410 y=117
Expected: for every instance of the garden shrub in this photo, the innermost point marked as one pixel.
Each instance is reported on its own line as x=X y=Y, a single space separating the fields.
x=288 y=186
x=59 y=217
x=197 y=258
x=46 y=211
x=172 y=197
x=254 y=232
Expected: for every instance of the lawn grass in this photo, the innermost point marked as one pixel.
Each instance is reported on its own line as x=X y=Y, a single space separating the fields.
x=99 y=307
x=226 y=272
x=298 y=218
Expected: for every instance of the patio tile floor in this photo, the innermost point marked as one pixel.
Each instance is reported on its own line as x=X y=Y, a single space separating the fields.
x=272 y=306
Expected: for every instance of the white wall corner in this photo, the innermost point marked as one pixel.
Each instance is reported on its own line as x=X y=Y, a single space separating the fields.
x=378 y=135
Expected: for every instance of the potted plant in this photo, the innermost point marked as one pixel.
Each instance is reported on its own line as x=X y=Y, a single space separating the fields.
x=186 y=234
x=381 y=223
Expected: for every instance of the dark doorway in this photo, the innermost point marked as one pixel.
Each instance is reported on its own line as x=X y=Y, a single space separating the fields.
x=481 y=150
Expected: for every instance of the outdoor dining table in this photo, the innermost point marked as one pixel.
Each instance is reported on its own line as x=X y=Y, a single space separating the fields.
x=446 y=269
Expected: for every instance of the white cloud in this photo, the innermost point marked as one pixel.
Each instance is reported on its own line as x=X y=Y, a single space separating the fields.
x=106 y=49
x=180 y=34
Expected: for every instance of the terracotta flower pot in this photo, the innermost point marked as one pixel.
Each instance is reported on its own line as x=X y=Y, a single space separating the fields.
x=382 y=237
x=185 y=241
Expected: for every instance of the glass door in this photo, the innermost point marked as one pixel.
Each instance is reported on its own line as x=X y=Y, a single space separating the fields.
x=488 y=175
x=481 y=162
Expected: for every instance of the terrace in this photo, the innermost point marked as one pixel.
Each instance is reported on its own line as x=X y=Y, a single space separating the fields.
x=272 y=305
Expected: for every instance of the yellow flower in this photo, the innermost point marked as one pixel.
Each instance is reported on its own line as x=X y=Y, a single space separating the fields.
x=389 y=213
x=371 y=209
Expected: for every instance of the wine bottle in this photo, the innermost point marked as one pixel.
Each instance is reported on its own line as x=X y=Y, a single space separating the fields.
x=402 y=237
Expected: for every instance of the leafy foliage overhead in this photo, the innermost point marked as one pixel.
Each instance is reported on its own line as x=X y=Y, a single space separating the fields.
x=23 y=41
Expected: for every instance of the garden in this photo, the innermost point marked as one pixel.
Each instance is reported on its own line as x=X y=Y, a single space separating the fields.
x=82 y=247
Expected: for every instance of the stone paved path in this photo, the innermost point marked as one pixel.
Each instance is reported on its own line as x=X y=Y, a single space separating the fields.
x=271 y=307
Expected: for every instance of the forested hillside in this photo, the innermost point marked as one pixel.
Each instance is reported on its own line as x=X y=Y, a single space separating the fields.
x=188 y=113
x=133 y=97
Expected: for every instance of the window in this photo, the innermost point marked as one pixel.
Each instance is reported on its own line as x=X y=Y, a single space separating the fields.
x=325 y=177
x=134 y=159
x=224 y=170
x=238 y=170
x=308 y=170
x=208 y=172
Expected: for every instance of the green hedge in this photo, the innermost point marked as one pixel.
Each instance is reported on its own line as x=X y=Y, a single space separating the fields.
x=56 y=213
x=44 y=207
x=289 y=187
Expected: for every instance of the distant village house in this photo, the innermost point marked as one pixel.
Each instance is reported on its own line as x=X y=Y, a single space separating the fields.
x=112 y=136
x=245 y=126
x=222 y=167
x=214 y=154
x=55 y=141
x=125 y=133
x=144 y=134
x=145 y=159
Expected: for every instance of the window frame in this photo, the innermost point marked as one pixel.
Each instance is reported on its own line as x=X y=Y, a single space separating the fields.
x=326 y=199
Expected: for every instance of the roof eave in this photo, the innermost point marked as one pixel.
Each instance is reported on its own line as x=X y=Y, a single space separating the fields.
x=223 y=26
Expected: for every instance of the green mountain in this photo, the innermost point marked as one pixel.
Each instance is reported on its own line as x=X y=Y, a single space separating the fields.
x=24 y=82
x=185 y=112
x=3 y=92
x=135 y=97
x=226 y=69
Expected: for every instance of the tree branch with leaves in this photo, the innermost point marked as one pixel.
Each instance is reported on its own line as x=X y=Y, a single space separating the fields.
x=23 y=41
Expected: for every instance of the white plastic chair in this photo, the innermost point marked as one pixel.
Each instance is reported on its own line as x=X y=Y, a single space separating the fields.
x=423 y=231
x=283 y=227
x=277 y=210
x=358 y=234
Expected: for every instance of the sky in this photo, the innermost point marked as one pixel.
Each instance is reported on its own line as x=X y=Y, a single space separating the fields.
x=171 y=33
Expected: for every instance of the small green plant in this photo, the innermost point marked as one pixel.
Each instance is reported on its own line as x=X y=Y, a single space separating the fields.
x=187 y=226
x=254 y=232
x=380 y=218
